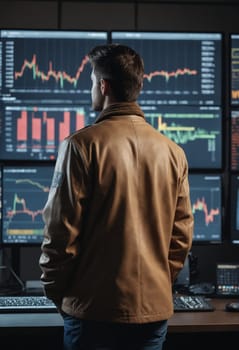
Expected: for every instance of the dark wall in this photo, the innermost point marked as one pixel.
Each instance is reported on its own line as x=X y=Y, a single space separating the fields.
x=158 y=15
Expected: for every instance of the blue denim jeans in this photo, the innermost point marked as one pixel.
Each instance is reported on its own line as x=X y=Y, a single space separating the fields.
x=94 y=335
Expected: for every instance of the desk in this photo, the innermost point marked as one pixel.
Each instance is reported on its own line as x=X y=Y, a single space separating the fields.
x=212 y=321
x=181 y=322
x=187 y=330
x=216 y=329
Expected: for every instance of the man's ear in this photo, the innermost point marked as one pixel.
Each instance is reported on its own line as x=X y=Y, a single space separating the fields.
x=104 y=87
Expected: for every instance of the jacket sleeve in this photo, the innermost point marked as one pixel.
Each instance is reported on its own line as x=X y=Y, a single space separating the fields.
x=62 y=215
x=182 y=233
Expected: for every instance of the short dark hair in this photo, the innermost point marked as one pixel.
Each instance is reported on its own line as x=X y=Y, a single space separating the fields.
x=122 y=66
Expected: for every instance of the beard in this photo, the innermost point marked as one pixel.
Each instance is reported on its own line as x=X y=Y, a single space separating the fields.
x=98 y=103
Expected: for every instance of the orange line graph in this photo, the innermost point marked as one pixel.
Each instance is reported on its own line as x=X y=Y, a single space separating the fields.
x=202 y=206
x=168 y=75
x=59 y=76
x=24 y=209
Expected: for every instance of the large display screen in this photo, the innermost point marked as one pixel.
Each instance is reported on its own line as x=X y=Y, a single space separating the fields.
x=35 y=132
x=45 y=95
x=234 y=154
x=207 y=208
x=45 y=89
x=47 y=66
x=234 y=69
x=180 y=68
x=24 y=193
x=193 y=128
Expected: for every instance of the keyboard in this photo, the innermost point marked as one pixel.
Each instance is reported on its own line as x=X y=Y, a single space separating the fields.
x=43 y=304
x=191 y=303
x=22 y=304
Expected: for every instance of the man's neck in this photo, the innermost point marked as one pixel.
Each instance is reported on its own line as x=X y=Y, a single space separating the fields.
x=109 y=101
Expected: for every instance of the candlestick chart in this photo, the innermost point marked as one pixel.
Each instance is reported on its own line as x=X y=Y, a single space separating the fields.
x=35 y=132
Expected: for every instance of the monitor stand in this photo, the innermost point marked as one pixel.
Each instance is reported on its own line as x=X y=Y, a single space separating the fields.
x=10 y=282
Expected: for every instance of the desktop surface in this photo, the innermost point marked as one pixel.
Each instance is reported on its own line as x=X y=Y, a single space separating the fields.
x=186 y=330
x=218 y=320
x=207 y=321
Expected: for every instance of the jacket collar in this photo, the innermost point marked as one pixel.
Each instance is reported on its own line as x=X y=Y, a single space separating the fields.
x=118 y=109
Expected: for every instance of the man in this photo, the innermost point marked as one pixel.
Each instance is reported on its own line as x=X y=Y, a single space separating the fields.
x=118 y=220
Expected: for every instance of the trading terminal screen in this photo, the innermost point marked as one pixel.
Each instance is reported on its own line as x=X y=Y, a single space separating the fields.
x=45 y=90
x=234 y=69
x=35 y=133
x=24 y=193
x=207 y=208
x=180 y=68
x=181 y=94
x=45 y=95
x=193 y=128
x=234 y=154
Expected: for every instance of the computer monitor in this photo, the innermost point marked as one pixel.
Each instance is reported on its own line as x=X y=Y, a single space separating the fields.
x=180 y=68
x=234 y=139
x=193 y=128
x=45 y=89
x=207 y=207
x=234 y=64
x=35 y=133
x=0 y=199
x=47 y=66
x=24 y=193
x=234 y=208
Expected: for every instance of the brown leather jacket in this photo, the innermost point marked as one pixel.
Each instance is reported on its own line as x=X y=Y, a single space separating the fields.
x=118 y=220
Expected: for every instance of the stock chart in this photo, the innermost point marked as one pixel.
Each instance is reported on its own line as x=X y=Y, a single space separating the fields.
x=25 y=191
x=180 y=68
x=206 y=200
x=193 y=128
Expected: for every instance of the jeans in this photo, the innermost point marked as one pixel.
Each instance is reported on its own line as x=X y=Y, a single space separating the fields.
x=94 y=335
